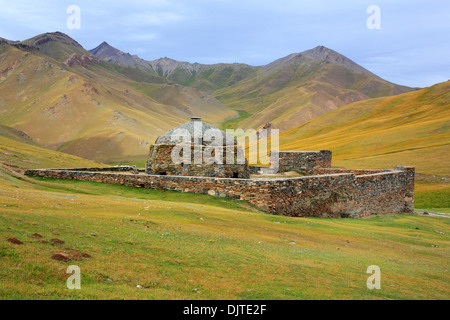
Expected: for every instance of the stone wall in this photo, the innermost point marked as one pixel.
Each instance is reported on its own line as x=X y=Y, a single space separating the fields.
x=262 y=170
x=305 y=161
x=160 y=163
x=331 y=195
x=109 y=169
x=357 y=172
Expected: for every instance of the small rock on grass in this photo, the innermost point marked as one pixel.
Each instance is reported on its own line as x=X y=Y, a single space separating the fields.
x=76 y=254
x=57 y=241
x=142 y=287
x=61 y=256
x=14 y=241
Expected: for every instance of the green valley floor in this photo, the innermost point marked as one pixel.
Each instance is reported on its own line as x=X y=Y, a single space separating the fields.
x=148 y=244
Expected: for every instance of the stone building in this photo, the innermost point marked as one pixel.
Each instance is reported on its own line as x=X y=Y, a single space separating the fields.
x=197 y=149
x=322 y=191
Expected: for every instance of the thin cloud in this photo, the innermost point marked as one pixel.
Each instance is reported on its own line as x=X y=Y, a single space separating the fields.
x=255 y=32
x=152 y=19
x=146 y=36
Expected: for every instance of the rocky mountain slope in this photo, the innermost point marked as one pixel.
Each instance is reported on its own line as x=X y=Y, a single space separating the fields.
x=287 y=92
x=108 y=105
x=301 y=87
x=66 y=99
x=110 y=54
x=8 y=41
x=196 y=75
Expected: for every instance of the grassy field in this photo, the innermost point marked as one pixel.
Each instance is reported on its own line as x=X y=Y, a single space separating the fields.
x=432 y=196
x=190 y=246
x=21 y=154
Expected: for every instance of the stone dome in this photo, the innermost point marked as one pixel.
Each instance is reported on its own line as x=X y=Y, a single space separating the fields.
x=219 y=155
x=197 y=128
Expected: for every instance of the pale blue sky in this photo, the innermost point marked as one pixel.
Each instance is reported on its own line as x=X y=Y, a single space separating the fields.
x=411 y=48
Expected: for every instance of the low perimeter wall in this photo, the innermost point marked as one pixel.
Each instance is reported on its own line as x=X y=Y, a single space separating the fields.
x=330 y=195
x=305 y=161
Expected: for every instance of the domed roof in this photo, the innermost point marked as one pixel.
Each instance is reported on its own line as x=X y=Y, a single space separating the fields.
x=196 y=128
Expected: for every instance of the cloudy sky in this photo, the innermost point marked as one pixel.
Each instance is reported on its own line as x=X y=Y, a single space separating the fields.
x=411 y=47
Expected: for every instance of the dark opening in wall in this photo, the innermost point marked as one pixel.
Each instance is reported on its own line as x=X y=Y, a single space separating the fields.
x=235 y=175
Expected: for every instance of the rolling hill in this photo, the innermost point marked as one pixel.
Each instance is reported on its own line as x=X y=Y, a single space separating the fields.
x=408 y=129
x=65 y=99
x=107 y=105
x=301 y=87
x=287 y=92
x=17 y=150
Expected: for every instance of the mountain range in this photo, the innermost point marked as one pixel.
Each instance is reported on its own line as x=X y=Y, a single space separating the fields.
x=66 y=99
x=287 y=92
x=108 y=105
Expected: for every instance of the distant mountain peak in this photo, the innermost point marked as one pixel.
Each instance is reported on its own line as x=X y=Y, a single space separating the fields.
x=53 y=36
x=329 y=55
x=8 y=41
x=108 y=53
x=105 y=49
x=324 y=54
x=166 y=59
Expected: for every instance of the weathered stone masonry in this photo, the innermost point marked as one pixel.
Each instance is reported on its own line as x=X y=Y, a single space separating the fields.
x=343 y=194
x=211 y=151
x=306 y=161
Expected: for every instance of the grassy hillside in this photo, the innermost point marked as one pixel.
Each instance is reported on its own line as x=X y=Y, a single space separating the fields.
x=22 y=154
x=408 y=129
x=287 y=92
x=300 y=88
x=98 y=111
x=205 y=77
x=188 y=246
x=14 y=134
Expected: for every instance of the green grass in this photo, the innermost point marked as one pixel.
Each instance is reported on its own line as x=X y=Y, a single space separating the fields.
x=190 y=246
x=17 y=153
x=233 y=123
x=411 y=129
x=97 y=188
x=432 y=196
